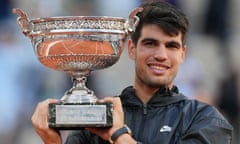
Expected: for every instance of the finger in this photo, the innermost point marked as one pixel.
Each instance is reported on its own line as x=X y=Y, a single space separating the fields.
x=109 y=99
x=40 y=116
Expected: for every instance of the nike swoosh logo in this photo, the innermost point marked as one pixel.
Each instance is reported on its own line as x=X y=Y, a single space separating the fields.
x=165 y=128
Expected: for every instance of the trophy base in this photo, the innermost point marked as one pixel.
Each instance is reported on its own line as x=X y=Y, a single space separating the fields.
x=70 y=116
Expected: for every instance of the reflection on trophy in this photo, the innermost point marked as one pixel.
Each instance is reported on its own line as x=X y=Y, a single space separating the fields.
x=78 y=45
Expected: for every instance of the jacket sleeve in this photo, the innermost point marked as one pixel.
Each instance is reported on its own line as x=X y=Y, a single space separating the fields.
x=84 y=137
x=78 y=137
x=208 y=127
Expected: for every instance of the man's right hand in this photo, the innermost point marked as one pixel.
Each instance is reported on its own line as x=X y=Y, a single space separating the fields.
x=40 y=123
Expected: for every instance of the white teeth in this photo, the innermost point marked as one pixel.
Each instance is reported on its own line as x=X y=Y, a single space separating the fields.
x=158 y=67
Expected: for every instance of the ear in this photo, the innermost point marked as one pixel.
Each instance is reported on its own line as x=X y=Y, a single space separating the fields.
x=131 y=49
x=183 y=54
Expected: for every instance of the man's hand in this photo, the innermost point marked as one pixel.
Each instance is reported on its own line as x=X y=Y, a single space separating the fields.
x=118 y=122
x=40 y=123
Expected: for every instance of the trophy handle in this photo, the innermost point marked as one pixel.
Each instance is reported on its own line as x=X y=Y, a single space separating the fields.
x=133 y=20
x=22 y=21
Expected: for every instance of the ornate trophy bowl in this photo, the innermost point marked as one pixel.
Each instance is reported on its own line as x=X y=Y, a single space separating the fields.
x=78 y=45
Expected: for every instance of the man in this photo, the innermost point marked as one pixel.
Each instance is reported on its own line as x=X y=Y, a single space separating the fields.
x=152 y=108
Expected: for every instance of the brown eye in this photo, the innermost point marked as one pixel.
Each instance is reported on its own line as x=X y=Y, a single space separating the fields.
x=173 y=45
x=149 y=42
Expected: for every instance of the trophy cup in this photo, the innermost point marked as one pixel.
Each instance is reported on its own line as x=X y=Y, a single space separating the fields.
x=78 y=45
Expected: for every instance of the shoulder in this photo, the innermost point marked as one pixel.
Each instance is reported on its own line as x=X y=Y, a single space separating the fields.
x=203 y=122
x=206 y=118
x=200 y=109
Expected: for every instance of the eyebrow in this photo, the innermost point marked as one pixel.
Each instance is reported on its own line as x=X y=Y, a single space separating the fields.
x=148 y=39
x=174 y=42
x=155 y=40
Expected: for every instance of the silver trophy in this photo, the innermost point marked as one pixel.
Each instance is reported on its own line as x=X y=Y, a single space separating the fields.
x=78 y=45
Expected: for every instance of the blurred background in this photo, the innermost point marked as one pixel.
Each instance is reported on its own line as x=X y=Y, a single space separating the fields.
x=210 y=72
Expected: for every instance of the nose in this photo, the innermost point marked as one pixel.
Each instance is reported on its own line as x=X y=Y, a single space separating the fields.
x=160 y=53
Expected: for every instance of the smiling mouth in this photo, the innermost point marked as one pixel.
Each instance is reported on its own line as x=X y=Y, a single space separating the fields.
x=158 y=67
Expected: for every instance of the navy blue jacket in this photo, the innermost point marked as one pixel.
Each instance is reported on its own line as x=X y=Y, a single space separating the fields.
x=168 y=118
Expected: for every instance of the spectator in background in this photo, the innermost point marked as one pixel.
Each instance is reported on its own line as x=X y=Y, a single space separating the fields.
x=5 y=9
x=228 y=102
x=191 y=80
x=216 y=22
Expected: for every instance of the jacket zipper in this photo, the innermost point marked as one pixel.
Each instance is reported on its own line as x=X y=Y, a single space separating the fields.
x=144 y=109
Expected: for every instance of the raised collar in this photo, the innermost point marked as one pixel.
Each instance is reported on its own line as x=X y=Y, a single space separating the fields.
x=161 y=98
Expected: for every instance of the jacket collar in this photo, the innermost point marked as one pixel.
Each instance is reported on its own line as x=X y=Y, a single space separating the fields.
x=161 y=98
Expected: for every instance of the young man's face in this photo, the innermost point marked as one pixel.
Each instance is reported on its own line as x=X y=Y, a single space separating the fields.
x=157 y=57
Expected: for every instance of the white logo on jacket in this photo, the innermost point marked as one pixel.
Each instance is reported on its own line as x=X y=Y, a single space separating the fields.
x=165 y=128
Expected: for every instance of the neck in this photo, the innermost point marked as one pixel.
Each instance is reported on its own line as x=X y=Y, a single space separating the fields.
x=145 y=93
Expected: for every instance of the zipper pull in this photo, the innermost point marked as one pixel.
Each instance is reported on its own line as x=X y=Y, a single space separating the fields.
x=145 y=109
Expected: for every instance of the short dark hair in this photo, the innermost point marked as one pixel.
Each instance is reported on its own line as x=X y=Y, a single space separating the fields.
x=171 y=19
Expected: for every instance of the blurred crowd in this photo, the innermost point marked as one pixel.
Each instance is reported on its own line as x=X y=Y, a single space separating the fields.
x=210 y=72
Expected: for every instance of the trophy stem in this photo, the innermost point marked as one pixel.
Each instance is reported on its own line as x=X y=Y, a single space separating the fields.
x=79 y=93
